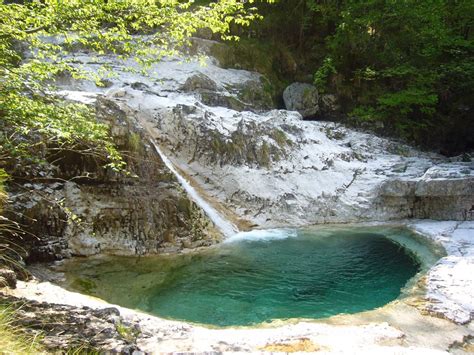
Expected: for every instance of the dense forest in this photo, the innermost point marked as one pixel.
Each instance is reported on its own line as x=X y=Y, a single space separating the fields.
x=403 y=68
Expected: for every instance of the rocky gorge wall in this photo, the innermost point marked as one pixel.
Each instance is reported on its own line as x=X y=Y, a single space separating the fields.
x=278 y=170
x=270 y=168
x=83 y=209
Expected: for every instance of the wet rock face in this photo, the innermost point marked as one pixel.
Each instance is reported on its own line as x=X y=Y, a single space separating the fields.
x=100 y=211
x=65 y=327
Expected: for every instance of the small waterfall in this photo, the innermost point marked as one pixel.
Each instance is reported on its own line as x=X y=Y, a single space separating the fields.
x=226 y=227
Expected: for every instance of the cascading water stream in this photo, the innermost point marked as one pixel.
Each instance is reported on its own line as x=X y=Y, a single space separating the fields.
x=226 y=227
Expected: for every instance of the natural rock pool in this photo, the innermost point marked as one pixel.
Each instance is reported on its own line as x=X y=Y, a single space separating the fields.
x=262 y=275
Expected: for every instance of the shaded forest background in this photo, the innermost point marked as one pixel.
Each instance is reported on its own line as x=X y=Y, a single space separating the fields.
x=401 y=68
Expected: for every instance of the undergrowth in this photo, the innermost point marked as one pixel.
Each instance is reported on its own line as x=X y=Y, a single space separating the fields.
x=13 y=338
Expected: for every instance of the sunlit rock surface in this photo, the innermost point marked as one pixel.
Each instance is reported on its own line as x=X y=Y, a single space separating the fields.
x=273 y=169
x=450 y=283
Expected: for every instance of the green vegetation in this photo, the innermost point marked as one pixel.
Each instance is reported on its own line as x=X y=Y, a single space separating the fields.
x=408 y=64
x=35 y=39
x=13 y=340
x=3 y=195
x=405 y=67
x=128 y=333
x=280 y=137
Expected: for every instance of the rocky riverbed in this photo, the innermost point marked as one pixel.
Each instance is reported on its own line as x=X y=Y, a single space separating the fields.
x=272 y=168
x=433 y=317
x=260 y=168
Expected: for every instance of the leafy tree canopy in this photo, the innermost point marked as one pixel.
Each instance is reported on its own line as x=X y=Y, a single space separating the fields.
x=408 y=64
x=35 y=37
x=404 y=65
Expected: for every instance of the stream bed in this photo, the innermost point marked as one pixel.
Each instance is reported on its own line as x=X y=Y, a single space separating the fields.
x=263 y=275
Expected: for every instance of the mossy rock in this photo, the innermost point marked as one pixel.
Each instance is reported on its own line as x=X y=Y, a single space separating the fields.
x=302 y=97
x=274 y=62
x=212 y=98
x=199 y=82
x=257 y=94
x=280 y=137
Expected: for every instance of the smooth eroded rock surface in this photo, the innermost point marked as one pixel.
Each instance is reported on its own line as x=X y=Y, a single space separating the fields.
x=303 y=98
x=270 y=168
x=450 y=282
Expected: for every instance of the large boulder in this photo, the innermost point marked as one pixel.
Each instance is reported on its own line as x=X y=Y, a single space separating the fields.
x=303 y=98
x=199 y=82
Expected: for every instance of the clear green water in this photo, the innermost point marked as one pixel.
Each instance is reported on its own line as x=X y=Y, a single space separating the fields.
x=260 y=276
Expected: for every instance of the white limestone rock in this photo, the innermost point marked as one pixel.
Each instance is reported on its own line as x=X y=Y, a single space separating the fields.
x=450 y=283
x=274 y=169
